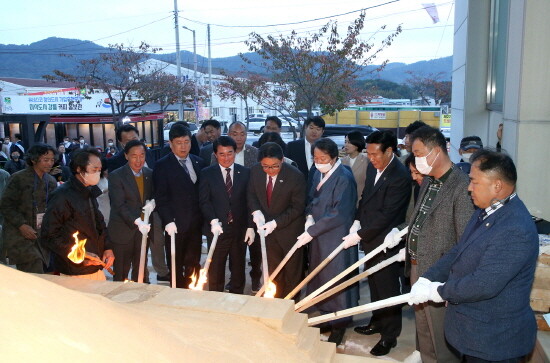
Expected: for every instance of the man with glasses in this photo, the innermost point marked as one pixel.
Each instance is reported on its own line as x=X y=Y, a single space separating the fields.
x=300 y=150
x=276 y=196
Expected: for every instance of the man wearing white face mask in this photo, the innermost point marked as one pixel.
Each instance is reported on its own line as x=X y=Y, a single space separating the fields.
x=441 y=213
x=468 y=146
x=73 y=208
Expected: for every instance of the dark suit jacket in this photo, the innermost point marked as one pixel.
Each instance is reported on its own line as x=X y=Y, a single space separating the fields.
x=214 y=201
x=126 y=203
x=176 y=197
x=383 y=205
x=296 y=152
x=488 y=277
x=206 y=153
x=287 y=201
x=120 y=160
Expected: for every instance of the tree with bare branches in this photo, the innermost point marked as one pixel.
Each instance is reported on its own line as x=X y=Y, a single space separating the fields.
x=320 y=69
x=430 y=85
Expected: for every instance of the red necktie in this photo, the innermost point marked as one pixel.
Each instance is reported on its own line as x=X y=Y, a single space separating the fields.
x=269 y=190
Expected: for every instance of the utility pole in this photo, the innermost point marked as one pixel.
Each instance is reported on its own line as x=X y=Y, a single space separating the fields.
x=178 y=56
x=210 y=73
x=196 y=101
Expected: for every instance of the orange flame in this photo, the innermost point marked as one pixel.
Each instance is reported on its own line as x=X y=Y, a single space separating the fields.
x=270 y=290
x=198 y=285
x=78 y=251
x=126 y=281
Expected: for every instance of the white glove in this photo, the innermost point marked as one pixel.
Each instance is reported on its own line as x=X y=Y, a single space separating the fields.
x=258 y=218
x=355 y=227
x=269 y=227
x=143 y=227
x=249 y=236
x=420 y=291
x=304 y=239
x=216 y=226
x=351 y=239
x=171 y=228
x=434 y=294
x=391 y=240
x=149 y=207
x=309 y=222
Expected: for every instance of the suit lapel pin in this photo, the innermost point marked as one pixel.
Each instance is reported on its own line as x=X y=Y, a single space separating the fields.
x=488 y=224
x=280 y=181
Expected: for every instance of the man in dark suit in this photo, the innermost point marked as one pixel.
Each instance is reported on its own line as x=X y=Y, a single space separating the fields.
x=17 y=145
x=271 y=124
x=486 y=278
x=300 y=150
x=195 y=144
x=383 y=206
x=129 y=188
x=125 y=134
x=222 y=191
x=176 y=191
x=213 y=130
x=276 y=195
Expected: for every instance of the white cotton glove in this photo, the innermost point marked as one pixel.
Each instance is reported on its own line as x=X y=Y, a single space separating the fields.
x=355 y=227
x=351 y=239
x=216 y=226
x=309 y=222
x=249 y=236
x=258 y=218
x=420 y=291
x=304 y=239
x=268 y=228
x=434 y=294
x=149 y=207
x=171 y=228
x=391 y=240
x=143 y=227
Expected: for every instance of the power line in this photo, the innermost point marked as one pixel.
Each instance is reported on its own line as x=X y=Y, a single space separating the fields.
x=294 y=23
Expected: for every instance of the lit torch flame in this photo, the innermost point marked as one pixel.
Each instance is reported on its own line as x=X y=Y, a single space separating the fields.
x=78 y=252
x=198 y=285
x=270 y=290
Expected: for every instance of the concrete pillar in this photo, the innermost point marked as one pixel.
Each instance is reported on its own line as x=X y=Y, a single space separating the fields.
x=526 y=108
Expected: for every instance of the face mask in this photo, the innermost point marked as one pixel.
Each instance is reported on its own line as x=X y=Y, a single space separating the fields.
x=323 y=168
x=422 y=164
x=404 y=152
x=466 y=157
x=92 y=179
x=110 y=144
x=82 y=141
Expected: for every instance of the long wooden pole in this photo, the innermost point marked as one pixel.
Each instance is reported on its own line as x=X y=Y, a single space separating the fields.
x=279 y=268
x=265 y=270
x=380 y=304
x=397 y=258
x=313 y=273
x=147 y=210
x=173 y=258
x=342 y=274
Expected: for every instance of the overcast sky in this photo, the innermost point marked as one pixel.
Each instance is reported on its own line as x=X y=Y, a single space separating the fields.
x=130 y=22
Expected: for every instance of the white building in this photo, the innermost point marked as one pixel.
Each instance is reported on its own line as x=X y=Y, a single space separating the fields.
x=221 y=109
x=500 y=75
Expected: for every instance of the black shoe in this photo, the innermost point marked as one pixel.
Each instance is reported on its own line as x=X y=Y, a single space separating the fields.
x=227 y=286
x=367 y=329
x=336 y=336
x=163 y=278
x=383 y=347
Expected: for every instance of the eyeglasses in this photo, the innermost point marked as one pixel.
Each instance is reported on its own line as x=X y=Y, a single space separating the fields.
x=272 y=167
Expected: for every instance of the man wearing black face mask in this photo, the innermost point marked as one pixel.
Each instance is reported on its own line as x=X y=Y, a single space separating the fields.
x=15 y=164
x=74 y=208
x=441 y=213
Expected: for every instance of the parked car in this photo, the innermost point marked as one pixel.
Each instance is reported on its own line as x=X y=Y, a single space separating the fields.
x=338 y=132
x=167 y=127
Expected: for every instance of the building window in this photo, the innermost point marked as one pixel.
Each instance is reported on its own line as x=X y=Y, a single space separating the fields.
x=251 y=110
x=232 y=110
x=216 y=111
x=498 y=39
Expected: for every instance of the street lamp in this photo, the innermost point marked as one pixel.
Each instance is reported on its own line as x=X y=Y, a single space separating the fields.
x=196 y=101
